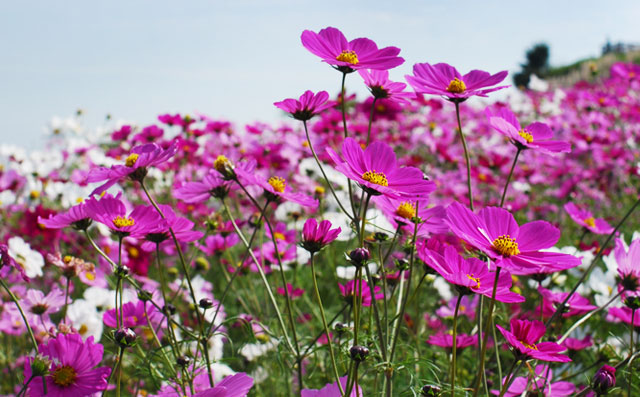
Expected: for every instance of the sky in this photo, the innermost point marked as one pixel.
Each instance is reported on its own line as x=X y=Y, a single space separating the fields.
x=232 y=59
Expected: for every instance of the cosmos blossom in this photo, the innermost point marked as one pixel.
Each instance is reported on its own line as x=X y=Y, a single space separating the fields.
x=401 y=212
x=76 y=217
x=212 y=185
x=534 y=136
x=382 y=88
x=351 y=287
x=443 y=79
x=331 y=390
x=362 y=53
x=543 y=375
x=307 y=106
x=135 y=165
x=577 y=303
x=237 y=385
x=586 y=219
x=446 y=340
x=523 y=339
x=132 y=315
x=277 y=187
x=182 y=228
x=628 y=261
x=72 y=371
x=469 y=275
x=495 y=232
x=375 y=169
x=315 y=236
x=112 y=212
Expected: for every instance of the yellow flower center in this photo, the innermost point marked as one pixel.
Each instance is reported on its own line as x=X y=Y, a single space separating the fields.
x=590 y=222
x=506 y=246
x=457 y=86
x=83 y=329
x=64 y=376
x=527 y=136
x=34 y=194
x=319 y=190
x=277 y=183
x=378 y=178
x=406 y=210
x=67 y=259
x=120 y=222
x=279 y=236
x=528 y=346
x=348 y=57
x=221 y=163
x=131 y=160
x=475 y=280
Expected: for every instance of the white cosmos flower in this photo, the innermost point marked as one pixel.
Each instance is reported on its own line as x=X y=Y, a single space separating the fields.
x=85 y=318
x=30 y=260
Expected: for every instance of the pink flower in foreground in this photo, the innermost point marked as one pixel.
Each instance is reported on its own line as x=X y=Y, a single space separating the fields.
x=383 y=88
x=72 y=370
x=444 y=79
x=182 y=228
x=495 y=232
x=331 y=390
x=132 y=315
x=551 y=300
x=585 y=218
x=76 y=217
x=276 y=187
x=521 y=385
x=112 y=212
x=469 y=275
x=352 y=287
x=628 y=264
x=523 y=337
x=346 y=56
x=375 y=169
x=237 y=385
x=309 y=105
x=315 y=236
x=534 y=136
x=135 y=165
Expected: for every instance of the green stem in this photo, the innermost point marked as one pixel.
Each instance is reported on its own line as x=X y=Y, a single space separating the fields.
x=586 y=317
x=506 y=185
x=508 y=379
x=119 y=369
x=24 y=317
x=324 y=324
x=631 y=331
x=454 y=346
x=466 y=155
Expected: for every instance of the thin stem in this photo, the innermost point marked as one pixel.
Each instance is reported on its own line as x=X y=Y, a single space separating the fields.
x=119 y=369
x=333 y=192
x=631 y=331
x=454 y=346
x=486 y=334
x=466 y=155
x=373 y=109
x=506 y=185
x=310 y=345
x=325 y=325
x=376 y=314
x=508 y=379
x=24 y=317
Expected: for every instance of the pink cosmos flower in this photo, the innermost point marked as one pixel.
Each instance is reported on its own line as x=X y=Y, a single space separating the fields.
x=628 y=264
x=76 y=217
x=237 y=385
x=315 y=237
x=469 y=275
x=72 y=372
x=495 y=232
x=309 y=105
x=534 y=136
x=446 y=340
x=577 y=344
x=467 y=307
x=134 y=166
x=375 y=169
x=347 y=56
x=523 y=337
x=182 y=228
x=277 y=187
x=293 y=292
x=8 y=261
x=444 y=79
x=331 y=390
x=521 y=385
x=401 y=212
x=112 y=212
x=577 y=304
x=213 y=184
x=383 y=88
x=617 y=314
x=37 y=304
x=585 y=218
x=349 y=289
x=132 y=315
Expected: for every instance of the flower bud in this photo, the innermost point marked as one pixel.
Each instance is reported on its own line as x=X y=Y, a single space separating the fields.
x=121 y=271
x=205 y=303
x=144 y=295
x=430 y=391
x=125 y=337
x=359 y=353
x=40 y=366
x=359 y=256
x=202 y=264
x=632 y=302
x=604 y=379
x=169 y=309
x=183 y=361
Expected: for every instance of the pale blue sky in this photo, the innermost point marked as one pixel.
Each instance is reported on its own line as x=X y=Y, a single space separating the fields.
x=233 y=59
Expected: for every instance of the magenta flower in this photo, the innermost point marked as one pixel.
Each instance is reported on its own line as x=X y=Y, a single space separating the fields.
x=534 y=136
x=112 y=212
x=347 y=56
x=37 y=304
x=628 y=264
x=331 y=390
x=446 y=340
x=212 y=185
x=522 y=385
x=76 y=217
x=402 y=213
x=293 y=292
x=132 y=315
x=375 y=169
x=135 y=165
x=469 y=275
x=182 y=228
x=309 y=105
x=523 y=337
x=72 y=372
x=352 y=287
x=383 y=88
x=237 y=385
x=585 y=218
x=551 y=300
x=443 y=79
x=624 y=314
x=577 y=344
x=276 y=187
x=7 y=260
x=315 y=237
x=495 y=232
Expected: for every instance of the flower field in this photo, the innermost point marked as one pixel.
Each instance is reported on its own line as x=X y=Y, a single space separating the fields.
x=421 y=241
